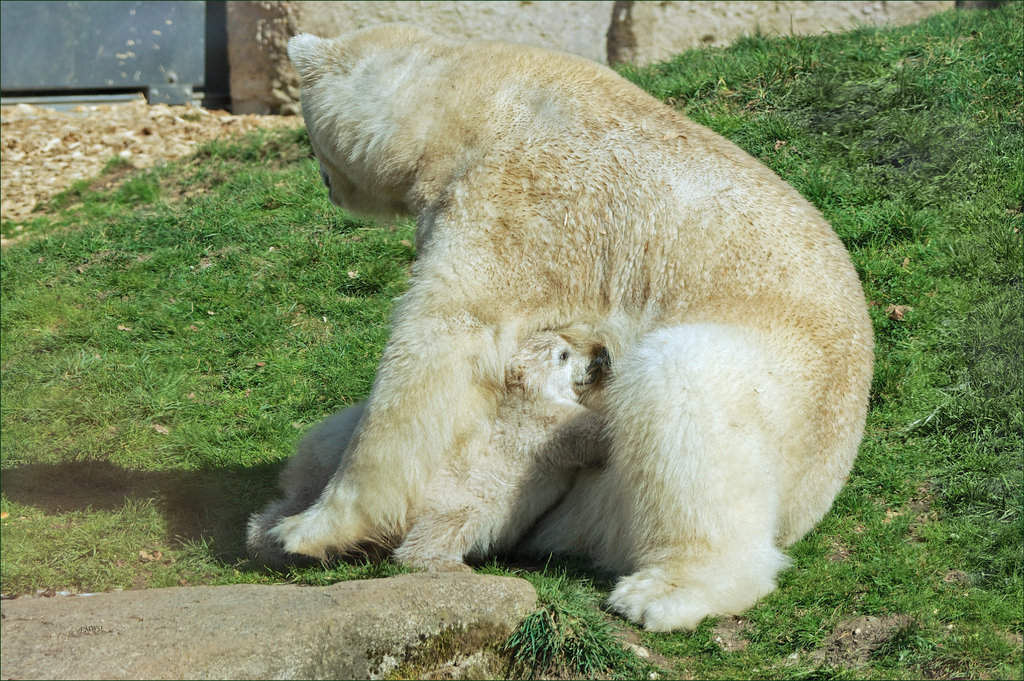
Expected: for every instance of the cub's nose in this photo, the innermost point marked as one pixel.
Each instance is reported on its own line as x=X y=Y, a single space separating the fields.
x=598 y=365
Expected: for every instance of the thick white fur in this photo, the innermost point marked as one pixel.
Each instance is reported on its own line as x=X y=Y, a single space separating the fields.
x=499 y=482
x=549 y=192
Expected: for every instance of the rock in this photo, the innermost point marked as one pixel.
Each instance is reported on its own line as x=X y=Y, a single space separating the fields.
x=663 y=29
x=416 y=625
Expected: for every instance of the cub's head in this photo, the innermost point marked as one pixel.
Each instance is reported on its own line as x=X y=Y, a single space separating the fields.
x=354 y=91
x=549 y=366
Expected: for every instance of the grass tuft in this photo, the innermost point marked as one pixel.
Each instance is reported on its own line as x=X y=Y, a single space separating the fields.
x=569 y=636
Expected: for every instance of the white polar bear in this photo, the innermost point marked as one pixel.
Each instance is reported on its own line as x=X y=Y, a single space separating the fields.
x=549 y=192
x=513 y=469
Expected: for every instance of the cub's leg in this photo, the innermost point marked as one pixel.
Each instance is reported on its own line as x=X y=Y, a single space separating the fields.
x=698 y=426
x=439 y=540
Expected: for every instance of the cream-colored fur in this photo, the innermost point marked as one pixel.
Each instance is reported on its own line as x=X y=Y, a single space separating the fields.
x=499 y=482
x=551 y=192
x=514 y=468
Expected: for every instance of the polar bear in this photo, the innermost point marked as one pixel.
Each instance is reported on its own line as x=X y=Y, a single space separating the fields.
x=517 y=465
x=548 y=191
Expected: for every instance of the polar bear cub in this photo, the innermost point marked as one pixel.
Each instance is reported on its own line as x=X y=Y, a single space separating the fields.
x=509 y=472
x=486 y=497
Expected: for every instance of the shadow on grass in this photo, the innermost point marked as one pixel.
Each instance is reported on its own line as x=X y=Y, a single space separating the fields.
x=211 y=505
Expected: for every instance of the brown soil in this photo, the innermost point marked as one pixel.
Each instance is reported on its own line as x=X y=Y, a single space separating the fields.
x=855 y=640
x=42 y=151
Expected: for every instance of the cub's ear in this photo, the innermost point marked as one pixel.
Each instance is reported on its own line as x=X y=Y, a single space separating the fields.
x=515 y=377
x=306 y=52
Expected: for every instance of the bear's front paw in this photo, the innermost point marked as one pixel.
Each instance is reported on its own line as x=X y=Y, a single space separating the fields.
x=297 y=534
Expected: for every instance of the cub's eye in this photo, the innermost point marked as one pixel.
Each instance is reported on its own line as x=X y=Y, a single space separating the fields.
x=564 y=356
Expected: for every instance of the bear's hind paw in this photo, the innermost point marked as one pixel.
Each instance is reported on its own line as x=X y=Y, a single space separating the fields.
x=651 y=599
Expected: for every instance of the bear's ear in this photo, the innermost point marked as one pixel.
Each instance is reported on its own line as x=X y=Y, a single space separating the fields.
x=306 y=52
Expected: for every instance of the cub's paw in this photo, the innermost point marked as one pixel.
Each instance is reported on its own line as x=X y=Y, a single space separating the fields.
x=421 y=556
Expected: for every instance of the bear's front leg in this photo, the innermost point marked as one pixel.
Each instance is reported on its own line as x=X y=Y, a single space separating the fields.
x=439 y=378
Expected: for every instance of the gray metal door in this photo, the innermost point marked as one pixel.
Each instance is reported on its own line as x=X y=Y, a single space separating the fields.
x=65 y=47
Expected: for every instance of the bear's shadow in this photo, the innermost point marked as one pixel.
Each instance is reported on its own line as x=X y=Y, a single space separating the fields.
x=210 y=505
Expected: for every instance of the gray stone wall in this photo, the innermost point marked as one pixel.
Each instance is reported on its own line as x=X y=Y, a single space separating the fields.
x=262 y=80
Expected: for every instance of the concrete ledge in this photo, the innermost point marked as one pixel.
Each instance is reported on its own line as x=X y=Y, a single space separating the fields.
x=362 y=629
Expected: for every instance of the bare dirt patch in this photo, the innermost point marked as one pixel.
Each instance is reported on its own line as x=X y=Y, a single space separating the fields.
x=729 y=635
x=631 y=642
x=42 y=151
x=855 y=640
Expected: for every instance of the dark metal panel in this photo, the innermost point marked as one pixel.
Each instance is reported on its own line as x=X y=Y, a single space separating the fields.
x=153 y=46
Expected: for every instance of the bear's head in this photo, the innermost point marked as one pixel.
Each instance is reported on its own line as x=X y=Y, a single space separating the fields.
x=353 y=87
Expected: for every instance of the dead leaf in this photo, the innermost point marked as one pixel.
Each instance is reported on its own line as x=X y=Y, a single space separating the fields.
x=122 y=327
x=5 y=515
x=148 y=557
x=906 y=261
x=352 y=274
x=779 y=144
x=897 y=312
x=163 y=430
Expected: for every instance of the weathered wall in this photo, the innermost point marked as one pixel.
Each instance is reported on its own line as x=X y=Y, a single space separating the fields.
x=262 y=80
x=663 y=29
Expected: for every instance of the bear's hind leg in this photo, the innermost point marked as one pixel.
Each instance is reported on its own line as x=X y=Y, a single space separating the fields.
x=696 y=454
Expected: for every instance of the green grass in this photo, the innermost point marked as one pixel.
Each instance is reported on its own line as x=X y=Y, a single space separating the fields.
x=166 y=340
